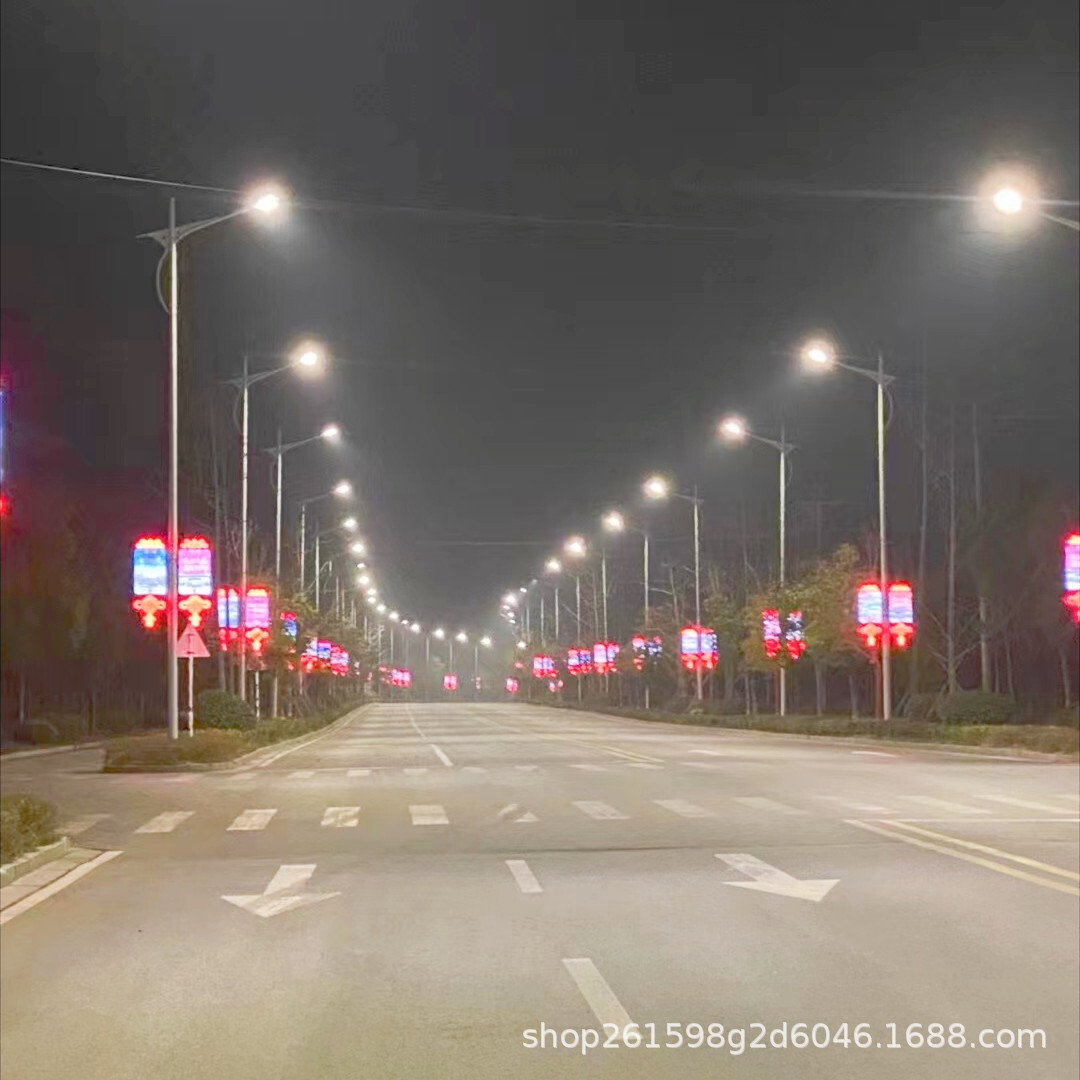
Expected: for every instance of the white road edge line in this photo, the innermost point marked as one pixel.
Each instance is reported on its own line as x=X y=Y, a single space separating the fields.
x=525 y=878
x=441 y=756
x=598 y=995
x=54 y=887
x=333 y=729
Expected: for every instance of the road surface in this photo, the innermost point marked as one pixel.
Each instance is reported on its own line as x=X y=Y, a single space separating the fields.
x=410 y=893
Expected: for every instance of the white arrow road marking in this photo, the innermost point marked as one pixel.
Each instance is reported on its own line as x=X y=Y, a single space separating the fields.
x=516 y=813
x=165 y=822
x=442 y=756
x=428 y=815
x=251 y=821
x=684 y=808
x=600 y=810
x=525 y=878
x=282 y=894
x=606 y=1007
x=342 y=817
x=768 y=879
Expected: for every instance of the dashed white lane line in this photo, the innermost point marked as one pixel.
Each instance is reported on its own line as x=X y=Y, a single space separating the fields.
x=598 y=995
x=1025 y=804
x=302 y=774
x=525 y=878
x=165 y=822
x=527 y=768
x=861 y=807
x=642 y=765
x=79 y=825
x=439 y=753
x=354 y=774
x=684 y=808
x=415 y=771
x=758 y=802
x=944 y=804
x=36 y=897
x=600 y=810
x=590 y=768
x=1070 y=795
x=873 y=753
x=711 y=753
x=473 y=769
x=246 y=774
x=251 y=821
x=428 y=815
x=341 y=817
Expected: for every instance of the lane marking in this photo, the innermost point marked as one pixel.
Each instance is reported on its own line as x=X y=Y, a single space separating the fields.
x=527 y=768
x=758 y=802
x=79 y=825
x=428 y=815
x=333 y=729
x=525 y=878
x=302 y=774
x=711 y=753
x=1069 y=795
x=282 y=894
x=873 y=753
x=1023 y=860
x=341 y=817
x=353 y=774
x=629 y=755
x=35 y=898
x=944 y=804
x=605 y=1006
x=862 y=808
x=600 y=810
x=1024 y=804
x=416 y=770
x=642 y=765
x=251 y=821
x=442 y=757
x=473 y=769
x=245 y=774
x=1001 y=868
x=684 y=808
x=590 y=768
x=165 y=822
x=993 y=820
x=770 y=879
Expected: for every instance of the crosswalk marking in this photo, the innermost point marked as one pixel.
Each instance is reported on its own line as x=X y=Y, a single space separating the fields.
x=165 y=822
x=251 y=821
x=428 y=815
x=80 y=824
x=944 y=804
x=684 y=808
x=605 y=1006
x=354 y=774
x=861 y=807
x=341 y=817
x=1025 y=804
x=525 y=878
x=757 y=802
x=589 y=768
x=302 y=774
x=599 y=810
x=442 y=756
x=415 y=771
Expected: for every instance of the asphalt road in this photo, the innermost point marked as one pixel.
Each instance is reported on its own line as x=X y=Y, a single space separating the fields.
x=409 y=893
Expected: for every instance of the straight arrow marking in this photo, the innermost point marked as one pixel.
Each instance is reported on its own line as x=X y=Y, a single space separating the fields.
x=771 y=880
x=283 y=892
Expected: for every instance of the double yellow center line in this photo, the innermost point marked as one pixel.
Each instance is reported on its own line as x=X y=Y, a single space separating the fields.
x=958 y=848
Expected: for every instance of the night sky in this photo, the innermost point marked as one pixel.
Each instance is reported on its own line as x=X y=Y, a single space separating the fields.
x=548 y=249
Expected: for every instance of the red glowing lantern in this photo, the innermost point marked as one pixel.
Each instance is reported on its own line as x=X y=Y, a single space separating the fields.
x=543 y=667
x=195 y=607
x=195 y=567
x=579 y=661
x=901 y=614
x=450 y=681
x=794 y=638
x=697 y=648
x=149 y=608
x=770 y=632
x=605 y=654
x=869 y=613
x=512 y=686
x=645 y=648
x=1071 y=575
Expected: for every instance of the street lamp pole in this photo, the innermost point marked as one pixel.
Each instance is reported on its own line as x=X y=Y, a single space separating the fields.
x=244 y=532
x=697 y=582
x=172 y=615
x=886 y=650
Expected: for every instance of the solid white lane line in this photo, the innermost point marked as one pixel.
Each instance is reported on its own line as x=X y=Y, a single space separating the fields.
x=251 y=821
x=442 y=757
x=600 y=810
x=36 y=897
x=1025 y=804
x=302 y=774
x=711 y=753
x=944 y=804
x=165 y=822
x=352 y=774
x=428 y=815
x=590 y=768
x=415 y=771
x=756 y=802
x=525 y=878
x=598 y=995
x=684 y=808
x=80 y=824
x=342 y=817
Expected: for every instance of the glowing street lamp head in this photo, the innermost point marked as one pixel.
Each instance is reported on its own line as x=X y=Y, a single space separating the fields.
x=733 y=429
x=553 y=566
x=818 y=354
x=358 y=548
x=656 y=487
x=510 y=600
x=576 y=547
x=486 y=641
x=372 y=594
x=330 y=432
x=394 y=616
x=614 y=521
x=416 y=628
x=309 y=356
x=1008 y=200
x=522 y=645
x=343 y=489
x=440 y=633
x=267 y=200
x=381 y=609
x=364 y=580
x=461 y=636
x=350 y=524
x=523 y=589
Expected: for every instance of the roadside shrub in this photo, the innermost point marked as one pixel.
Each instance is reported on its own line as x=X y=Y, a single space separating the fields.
x=922 y=707
x=219 y=709
x=38 y=732
x=977 y=707
x=158 y=751
x=26 y=823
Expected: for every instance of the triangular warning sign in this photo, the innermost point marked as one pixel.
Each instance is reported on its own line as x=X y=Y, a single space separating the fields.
x=191 y=644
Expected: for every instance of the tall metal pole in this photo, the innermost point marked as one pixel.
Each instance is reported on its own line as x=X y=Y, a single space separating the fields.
x=577 y=589
x=172 y=613
x=886 y=651
x=244 y=535
x=556 y=615
x=697 y=584
x=603 y=589
x=318 y=570
x=303 y=548
x=543 y=619
x=644 y=629
x=275 y=688
x=783 y=547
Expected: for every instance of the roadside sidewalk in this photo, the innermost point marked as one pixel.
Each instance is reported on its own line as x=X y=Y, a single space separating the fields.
x=51 y=874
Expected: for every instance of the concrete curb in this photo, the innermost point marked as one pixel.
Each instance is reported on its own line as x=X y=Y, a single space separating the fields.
x=12 y=755
x=24 y=864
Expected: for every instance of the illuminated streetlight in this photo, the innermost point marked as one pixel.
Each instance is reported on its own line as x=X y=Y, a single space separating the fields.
x=394 y=616
x=440 y=633
x=416 y=628
x=461 y=636
x=364 y=580
x=510 y=600
x=733 y=429
x=267 y=200
x=486 y=641
x=381 y=609
x=553 y=566
x=614 y=522
x=330 y=432
x=576 y=547
x=350 y=524
x=656 y=487
x=343 y=489
x=818 y=354
x=523 y=645
x=1008 y=200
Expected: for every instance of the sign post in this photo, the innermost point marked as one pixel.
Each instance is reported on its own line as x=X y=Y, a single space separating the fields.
x=192 y=646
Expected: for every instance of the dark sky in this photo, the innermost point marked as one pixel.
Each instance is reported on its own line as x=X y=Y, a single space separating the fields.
x=550 y=246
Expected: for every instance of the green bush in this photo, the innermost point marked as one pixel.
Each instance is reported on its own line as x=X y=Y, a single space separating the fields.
x=25 y=823
x=218 y=709
x=922 y=707
x=158 y=751
x=977 y=707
